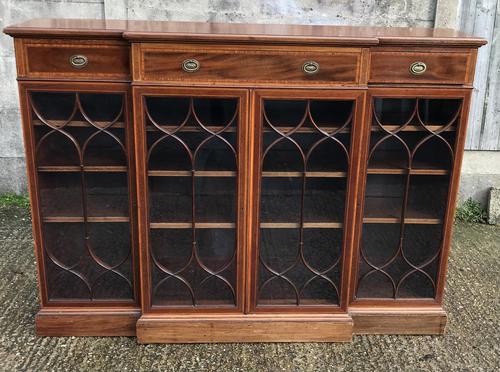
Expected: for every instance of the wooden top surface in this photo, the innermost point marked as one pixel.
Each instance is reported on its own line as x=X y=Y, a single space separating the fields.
x=241 y=32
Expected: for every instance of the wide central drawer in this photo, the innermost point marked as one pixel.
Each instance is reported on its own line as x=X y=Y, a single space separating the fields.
x=246 y=64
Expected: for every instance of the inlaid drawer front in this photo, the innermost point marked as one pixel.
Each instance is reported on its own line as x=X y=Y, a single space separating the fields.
x=91 y=60
x=419 y=67
x=247 y=64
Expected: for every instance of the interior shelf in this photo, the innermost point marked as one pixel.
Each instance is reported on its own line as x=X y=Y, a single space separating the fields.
x=186 y=173
x=305 y=174
x=413 y=128
x=384 y=199
x=171 y=200
x=281 y=200
x=89 y=168
x=106 y=195
x=189 y=225
x=77 y=123
x=68 y=219
x=388 y=210
x=305 y=225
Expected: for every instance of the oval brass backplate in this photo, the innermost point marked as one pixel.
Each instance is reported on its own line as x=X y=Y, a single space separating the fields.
x=310 y=67
x=78 y=61
x=190 y=65
x=418 y=68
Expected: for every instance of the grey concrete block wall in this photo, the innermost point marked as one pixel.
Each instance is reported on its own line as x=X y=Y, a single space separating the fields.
x=358 y=12
x=12 y=165
x=415 y=13
x=494 y=206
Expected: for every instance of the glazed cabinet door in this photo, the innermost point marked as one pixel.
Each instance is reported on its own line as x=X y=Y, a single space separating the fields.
x=304 y=168
x=192 y=183
x=80 y=165
x=412 y=165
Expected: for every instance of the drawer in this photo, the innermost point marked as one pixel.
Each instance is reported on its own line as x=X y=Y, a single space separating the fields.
x=247 y=64
x=89 y=60
x=419 y=67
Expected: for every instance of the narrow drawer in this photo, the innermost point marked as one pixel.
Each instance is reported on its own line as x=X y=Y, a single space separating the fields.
x=89 y=60
x=247 y=64
x=419 y=67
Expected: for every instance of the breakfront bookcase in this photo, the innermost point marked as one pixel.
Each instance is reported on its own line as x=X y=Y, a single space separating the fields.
x=197 y=182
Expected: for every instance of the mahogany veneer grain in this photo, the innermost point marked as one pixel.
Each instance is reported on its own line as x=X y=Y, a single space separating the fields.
x=364 y=71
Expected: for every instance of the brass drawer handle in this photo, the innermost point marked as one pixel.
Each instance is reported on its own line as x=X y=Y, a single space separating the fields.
x=418 y=68
x=190 y=65
x=78 y=61
x=310 y=67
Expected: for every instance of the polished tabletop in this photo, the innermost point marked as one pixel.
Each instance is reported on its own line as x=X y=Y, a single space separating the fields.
x=241 y=32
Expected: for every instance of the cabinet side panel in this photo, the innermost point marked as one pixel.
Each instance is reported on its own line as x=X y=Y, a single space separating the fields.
x=33 y=192
x=453 y=192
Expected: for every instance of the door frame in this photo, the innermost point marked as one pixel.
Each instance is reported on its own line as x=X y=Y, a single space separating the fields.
x=138 y=92
x=351 y=205
x=24 y=88
x=451 y=197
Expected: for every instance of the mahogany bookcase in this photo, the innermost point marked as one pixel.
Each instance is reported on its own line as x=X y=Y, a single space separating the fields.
x=196 y=182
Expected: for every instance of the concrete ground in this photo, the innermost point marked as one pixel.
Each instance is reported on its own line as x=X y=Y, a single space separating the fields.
x=471 y=343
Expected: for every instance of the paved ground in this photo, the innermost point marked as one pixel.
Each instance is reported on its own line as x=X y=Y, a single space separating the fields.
x=472 y=341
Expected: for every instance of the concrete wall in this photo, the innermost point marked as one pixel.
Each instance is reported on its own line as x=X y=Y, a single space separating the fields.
x=371 y=12
x=421 y=13
x=12 y=166
x=358 y=12
x=482 y=18
x=480 y=172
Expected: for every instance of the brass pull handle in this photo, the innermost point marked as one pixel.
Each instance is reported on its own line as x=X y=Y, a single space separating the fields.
x=310 y=67
x=190 y=65
x=78 y=61
x=418 y=68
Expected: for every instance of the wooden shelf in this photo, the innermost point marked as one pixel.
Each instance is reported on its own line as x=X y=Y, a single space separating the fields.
x=306 y=225
x=189 y=225
x=306 y=129
x=67 y=219
x=426 y=172
x=393 y=162
x=78 y=123
x=388 y=210
x=76 y=168
x=412 y=128
x=338 y=174
x=415 y=221
x=319 y=206
x=190 y=128
x=187 y=173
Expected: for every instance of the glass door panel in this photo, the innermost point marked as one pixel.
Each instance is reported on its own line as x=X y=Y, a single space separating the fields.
x=192 y=169
x=409 y=166
x=81 y=162
x=304 y=162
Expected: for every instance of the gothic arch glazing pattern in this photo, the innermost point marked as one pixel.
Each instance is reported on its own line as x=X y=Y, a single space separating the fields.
x=192 y=163
x=82 y=168
x=409 y=168
x=305 y=158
